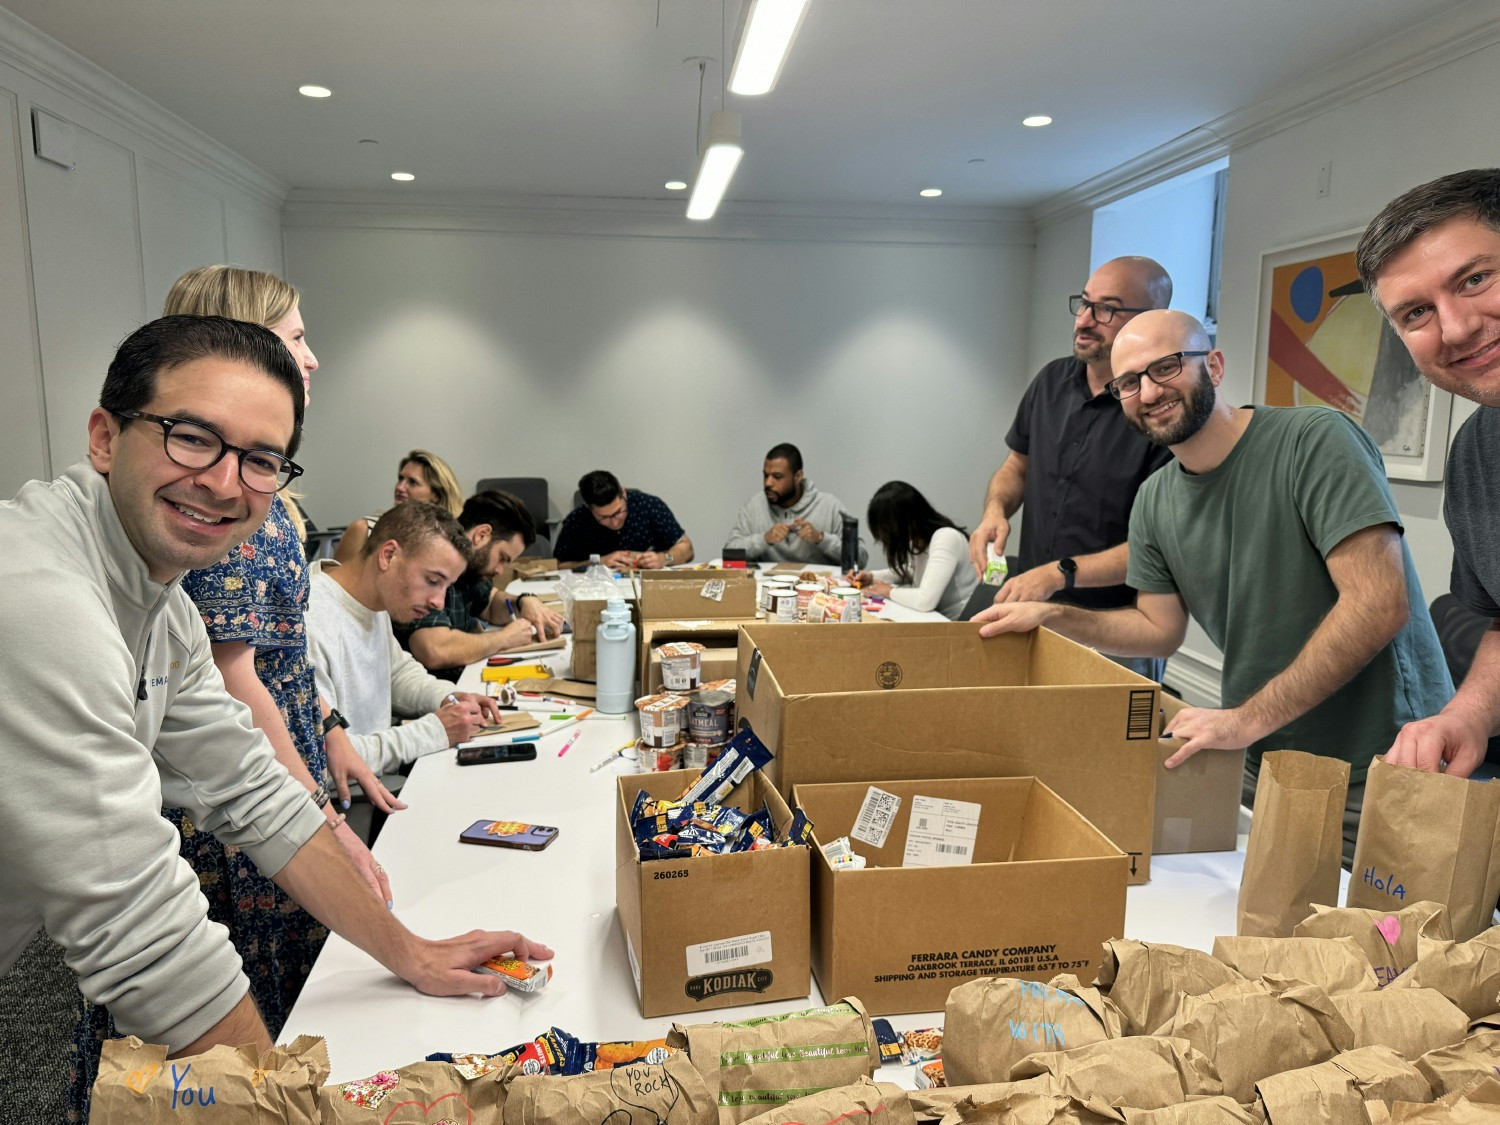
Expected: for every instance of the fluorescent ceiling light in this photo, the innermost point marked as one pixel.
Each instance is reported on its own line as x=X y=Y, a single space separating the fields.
x=315 y=91
x=930 y=192
x=675 y=185
x=721 y=156
x=769 y=29
x=404 y=177
x=1036 y=121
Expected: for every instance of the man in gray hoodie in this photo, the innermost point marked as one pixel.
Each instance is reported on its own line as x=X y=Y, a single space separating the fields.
x=790 y=520
x=111 y=706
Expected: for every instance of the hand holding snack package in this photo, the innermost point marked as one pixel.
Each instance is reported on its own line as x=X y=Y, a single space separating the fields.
x=666 y=1093
x=1333 y=964
x=882 y=1103
x=470 y=1086
x=1146 y=981
x=753 y=1065
x=1387 y=938
x=1139 y=1071
x=1466 y=972
x=1336 y=1091
x=994 y=1022
x=1253 y=1029
x=1452 y=1069
x=1411 y=1021
x=1428 y=836
x=138 y=1085
x=1296 y=841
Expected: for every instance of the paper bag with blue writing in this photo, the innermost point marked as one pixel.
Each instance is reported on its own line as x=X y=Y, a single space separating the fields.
x=1428 y=836
x=1387 y=937
x=994 y=1022
x=1296 y=841
x=139 y=1085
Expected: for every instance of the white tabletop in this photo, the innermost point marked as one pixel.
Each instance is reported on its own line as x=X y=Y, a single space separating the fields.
x=565 y=896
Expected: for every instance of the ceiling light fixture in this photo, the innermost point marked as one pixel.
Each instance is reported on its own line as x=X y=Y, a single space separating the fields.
x=315 y=91
x=765 y=39
x=403 y=177
x=721 y=156
x=675 y=185
x=930 y=192
x=1036 y=121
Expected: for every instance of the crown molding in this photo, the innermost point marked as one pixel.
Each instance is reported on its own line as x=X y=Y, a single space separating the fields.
x=1471 y=28
x=653 y=218
x=45 y=60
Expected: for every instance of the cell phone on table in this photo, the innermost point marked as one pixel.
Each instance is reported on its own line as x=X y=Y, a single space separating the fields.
x=508 y=834
x=484 y=755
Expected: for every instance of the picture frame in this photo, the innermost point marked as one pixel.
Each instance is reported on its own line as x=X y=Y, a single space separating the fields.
x=1320 y=341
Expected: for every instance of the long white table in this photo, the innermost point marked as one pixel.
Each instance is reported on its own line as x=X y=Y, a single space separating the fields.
x=565 y=896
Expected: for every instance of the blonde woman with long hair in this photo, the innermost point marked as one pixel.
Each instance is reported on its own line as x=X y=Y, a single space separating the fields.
x=420 y=476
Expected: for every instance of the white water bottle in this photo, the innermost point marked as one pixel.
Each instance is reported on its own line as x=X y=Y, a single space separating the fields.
x=614 y=674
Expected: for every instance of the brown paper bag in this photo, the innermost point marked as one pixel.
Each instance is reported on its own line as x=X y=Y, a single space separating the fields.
x=1296 y=841
x=1411 y=1022
x=666 y=1093
x=1451 y=1069
x=1336 y=1091
x=866 y=1102
x=1254 y=1029
x=1141 y=1071
x=1145 y=982
x=1466 y=972
x=1427 y=836
x=1033 y=1108
x=138 y=1085
x=419 y=1092
x=934 y=1104
x=1387 y=938
x=1478 y=1105
x=1199 y=1111
x=993 y=1023
x=553 y=685
x=1333 y=964
x=750 y=1066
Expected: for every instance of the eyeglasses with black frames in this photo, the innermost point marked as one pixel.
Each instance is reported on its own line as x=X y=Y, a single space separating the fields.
x=1159 y=371
x=194 y=446
x=1101 y=312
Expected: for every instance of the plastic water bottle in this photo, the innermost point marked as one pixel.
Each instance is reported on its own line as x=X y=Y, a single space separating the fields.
x=614 y=675
x=598 y=572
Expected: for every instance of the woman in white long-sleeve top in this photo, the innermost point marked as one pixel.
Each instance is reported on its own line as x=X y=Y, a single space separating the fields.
x=927 y=553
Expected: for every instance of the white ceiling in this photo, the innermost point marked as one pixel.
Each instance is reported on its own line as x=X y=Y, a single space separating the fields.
x=593 y=98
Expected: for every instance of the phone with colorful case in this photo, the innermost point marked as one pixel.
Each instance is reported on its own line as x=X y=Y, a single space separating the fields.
x=508 y=834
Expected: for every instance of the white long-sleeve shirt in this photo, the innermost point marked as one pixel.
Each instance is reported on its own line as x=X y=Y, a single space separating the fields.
x=942 y=578
x=364 y=674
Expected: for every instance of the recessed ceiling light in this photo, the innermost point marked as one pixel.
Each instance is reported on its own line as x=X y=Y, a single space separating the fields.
x=1036 y=121
x=675 y=185
x=404 y=177
x=315 y=91
x=930 y=192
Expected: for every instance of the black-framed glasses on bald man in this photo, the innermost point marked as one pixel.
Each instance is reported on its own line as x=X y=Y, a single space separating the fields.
x=1101 y=312
x=1159 y=371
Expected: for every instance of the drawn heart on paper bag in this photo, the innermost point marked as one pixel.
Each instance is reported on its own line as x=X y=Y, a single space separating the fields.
x=140 y=1079
x=1390 y=929
x=459 y=1102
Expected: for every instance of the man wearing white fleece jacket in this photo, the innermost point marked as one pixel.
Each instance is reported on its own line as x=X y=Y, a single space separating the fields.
x=790 y=520
x=412 y=555
x=111 y=705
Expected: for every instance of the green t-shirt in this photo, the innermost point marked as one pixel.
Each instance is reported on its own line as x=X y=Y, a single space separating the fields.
x=1244 y=546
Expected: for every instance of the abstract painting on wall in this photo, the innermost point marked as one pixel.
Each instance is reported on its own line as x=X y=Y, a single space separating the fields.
x=1323 y=343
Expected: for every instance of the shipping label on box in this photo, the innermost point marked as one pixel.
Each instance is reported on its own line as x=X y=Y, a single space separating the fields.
x=937 y=700
x=1028 y=888
x=713 y=931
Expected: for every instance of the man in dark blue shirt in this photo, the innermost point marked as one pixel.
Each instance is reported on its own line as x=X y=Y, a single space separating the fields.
x=625 y=527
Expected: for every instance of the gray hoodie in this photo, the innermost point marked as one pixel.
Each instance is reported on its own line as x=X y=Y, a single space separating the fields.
x=110 y=708
x=821 y=509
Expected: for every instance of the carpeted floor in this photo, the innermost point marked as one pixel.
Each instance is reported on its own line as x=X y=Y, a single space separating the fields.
x=39 y=1004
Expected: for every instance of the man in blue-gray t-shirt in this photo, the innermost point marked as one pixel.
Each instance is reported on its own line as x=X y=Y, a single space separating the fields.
x=1276 y=530
x=1431 y=262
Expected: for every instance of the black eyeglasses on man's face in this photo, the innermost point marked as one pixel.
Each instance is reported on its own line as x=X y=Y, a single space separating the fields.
x=1101 y=312
x=1159 y=371
x=194 y=446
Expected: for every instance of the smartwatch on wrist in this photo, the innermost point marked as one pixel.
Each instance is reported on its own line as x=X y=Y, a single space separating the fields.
x=333 y=722
x=1069 y=568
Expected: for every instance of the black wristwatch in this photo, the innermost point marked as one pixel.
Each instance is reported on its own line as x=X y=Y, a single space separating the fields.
x=1069 y=568
x=333 y=722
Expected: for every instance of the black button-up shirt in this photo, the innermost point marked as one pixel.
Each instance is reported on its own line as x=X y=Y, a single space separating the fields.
x=1084 y=464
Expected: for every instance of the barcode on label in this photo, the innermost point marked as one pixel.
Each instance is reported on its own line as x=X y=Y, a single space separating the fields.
x=733 y=953
x=950 y=849
x=876 y=816
x=713 y=590
x=1142 y=710
x=922 y=822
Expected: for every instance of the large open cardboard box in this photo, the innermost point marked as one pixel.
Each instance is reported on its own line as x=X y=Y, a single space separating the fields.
x=720 y=641
x=1045 y=889
x=715 y=931
x=1198 y=802
x=939 y=700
